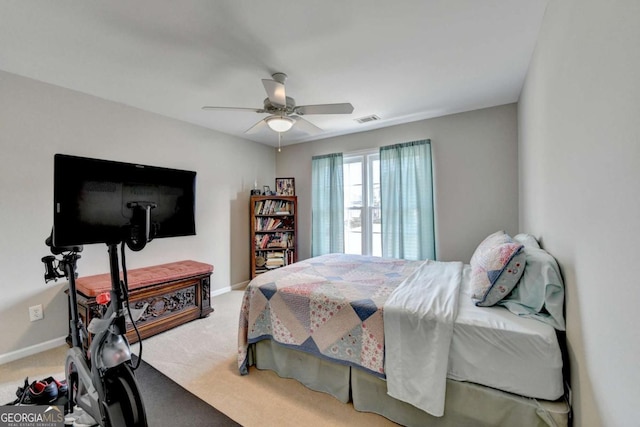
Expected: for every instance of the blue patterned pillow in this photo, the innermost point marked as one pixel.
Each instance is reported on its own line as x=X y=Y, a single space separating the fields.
x=496 y=267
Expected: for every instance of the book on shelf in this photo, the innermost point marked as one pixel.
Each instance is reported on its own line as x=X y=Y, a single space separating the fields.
x=273 y=259
x=275 y=262
x=275 y=255
x=273 y=240
x=279 y=259
x=267 y=223
x=273 y=207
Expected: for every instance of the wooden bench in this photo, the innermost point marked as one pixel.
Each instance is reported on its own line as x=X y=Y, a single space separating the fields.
x=175 y=293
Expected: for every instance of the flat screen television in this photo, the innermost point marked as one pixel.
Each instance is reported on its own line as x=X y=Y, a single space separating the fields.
x=103 y=201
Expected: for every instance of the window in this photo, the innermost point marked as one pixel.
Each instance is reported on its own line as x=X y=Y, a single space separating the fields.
x=362 y=227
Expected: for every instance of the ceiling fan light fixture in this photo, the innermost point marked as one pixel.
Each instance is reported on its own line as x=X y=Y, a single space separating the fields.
x=280 y=123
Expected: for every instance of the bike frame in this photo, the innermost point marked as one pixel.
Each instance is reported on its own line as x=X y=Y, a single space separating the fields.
x=109 y=357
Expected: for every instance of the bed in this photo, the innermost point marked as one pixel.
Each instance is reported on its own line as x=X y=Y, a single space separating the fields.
x=406 y=339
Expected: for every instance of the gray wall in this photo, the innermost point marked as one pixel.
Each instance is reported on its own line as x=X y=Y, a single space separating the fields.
x=580 y=192
x=38 y=120
x=475 y=173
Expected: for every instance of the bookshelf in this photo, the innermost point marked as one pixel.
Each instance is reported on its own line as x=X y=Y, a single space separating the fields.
x=273 y=232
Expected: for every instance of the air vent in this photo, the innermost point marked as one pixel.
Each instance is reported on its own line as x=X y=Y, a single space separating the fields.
x=367 y=119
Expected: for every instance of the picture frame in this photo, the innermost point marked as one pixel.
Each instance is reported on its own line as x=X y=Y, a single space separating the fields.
x=285 y=187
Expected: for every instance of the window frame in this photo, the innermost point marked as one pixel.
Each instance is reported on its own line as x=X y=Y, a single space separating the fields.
x=367 y=159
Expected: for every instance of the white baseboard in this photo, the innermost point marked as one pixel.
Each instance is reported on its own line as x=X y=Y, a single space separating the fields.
x=240 y=286
x=30 y=351
x=217 y=292
x=236 y=287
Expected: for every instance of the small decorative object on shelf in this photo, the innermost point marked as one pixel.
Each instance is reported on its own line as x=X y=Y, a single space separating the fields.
x=273 y=232
x=255 y=191
x=285 y=187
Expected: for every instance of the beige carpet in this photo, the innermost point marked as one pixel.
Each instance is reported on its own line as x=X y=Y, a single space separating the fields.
x=201 y=356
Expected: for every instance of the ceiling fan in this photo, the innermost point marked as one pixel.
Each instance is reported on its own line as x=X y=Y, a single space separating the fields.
x=284 y=113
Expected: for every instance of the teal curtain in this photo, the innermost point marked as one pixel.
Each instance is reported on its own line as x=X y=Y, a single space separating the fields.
x=406 y=201
x=327 y=204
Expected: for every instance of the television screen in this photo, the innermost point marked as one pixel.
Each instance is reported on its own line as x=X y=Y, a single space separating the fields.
x=103 y=201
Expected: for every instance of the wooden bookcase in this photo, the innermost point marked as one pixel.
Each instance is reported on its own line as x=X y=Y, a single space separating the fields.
x=274 y=240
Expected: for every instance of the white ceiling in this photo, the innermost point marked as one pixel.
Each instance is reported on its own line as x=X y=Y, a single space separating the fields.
x=401 y=60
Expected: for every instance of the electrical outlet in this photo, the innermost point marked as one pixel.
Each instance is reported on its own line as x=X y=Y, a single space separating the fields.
x=36 y=312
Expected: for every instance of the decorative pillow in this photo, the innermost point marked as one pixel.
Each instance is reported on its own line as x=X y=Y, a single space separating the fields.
x=496 y=266
x=527 y=240
x=490 y=241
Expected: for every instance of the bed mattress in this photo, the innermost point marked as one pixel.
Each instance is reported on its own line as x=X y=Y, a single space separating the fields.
x=493 y=347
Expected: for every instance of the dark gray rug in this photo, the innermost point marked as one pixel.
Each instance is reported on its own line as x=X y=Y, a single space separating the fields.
x=169 y=404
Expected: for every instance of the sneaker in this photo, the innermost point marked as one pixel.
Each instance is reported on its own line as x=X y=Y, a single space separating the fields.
x=85 y=420
x=60 y=385
x=71 y=417
x=21 y=391
x=38 y=393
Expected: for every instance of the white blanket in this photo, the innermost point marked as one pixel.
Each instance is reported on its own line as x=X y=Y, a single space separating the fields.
x=418 y=326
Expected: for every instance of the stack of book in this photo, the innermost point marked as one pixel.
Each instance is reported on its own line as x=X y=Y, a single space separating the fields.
x=275 y=260
x=269 y=259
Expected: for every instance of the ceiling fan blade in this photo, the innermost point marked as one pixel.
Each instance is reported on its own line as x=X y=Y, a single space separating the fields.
x=306 y=126
x=275 y=92
x=254 y=110
x=345 y=108
x=261 y=125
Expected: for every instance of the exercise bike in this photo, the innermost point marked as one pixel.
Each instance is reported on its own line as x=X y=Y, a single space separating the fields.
x=100 y=381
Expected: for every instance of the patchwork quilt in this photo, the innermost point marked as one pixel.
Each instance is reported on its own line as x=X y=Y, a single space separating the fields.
x=330 y=306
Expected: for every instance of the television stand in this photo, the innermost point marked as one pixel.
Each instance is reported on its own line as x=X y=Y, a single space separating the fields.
x=175 y=293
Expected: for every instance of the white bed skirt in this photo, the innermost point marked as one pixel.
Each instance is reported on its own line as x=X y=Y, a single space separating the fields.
x=466 y=404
